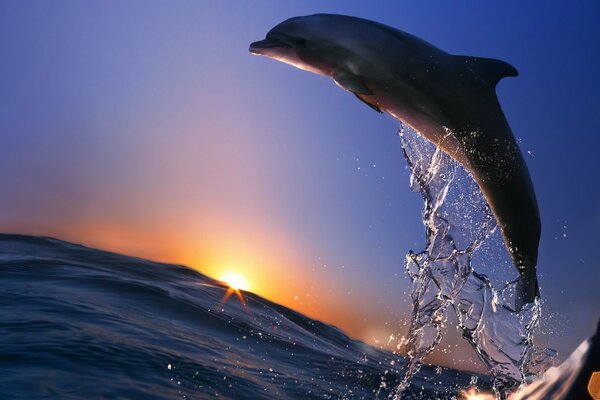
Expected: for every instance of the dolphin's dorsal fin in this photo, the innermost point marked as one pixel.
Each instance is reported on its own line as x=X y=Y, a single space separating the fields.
x=488 y=69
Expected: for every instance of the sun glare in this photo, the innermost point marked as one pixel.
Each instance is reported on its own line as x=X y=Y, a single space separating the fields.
x=235 y=281
x=474 y=394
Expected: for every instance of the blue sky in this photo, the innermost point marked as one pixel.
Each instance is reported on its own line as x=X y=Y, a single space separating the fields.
x=148 y=128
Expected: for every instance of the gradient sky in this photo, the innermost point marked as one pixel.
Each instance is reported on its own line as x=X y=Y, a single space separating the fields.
x=147 y=128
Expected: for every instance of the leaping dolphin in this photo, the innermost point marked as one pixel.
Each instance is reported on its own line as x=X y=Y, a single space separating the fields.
x=448 y=99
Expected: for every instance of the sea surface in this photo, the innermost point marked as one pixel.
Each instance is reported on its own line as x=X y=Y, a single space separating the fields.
x=81 y=323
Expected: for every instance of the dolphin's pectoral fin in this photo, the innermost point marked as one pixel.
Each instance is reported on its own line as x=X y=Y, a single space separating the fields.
x=356 y=85
x=373 y=106
x=488 y=69
x=351 y=83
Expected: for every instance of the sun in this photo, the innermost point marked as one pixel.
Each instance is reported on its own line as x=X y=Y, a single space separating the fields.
x=235 y=281
x=474 y=394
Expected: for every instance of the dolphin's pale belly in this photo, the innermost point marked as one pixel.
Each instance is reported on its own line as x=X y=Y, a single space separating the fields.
x=418 y=113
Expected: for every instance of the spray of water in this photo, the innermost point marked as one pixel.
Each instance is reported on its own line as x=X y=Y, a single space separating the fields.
x=461 y=237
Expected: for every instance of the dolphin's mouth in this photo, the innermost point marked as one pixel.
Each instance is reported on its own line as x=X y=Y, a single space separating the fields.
x=259 y=47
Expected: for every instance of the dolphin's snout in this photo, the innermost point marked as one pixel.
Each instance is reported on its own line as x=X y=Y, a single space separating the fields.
x=261 y=46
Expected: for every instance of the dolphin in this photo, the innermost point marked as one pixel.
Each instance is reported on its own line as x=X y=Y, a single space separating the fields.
x=448 y=99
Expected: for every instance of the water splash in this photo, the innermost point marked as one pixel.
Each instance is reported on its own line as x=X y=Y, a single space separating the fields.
x=461 y=233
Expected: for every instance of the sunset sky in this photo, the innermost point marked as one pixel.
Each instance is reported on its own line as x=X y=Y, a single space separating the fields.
x=147 y=128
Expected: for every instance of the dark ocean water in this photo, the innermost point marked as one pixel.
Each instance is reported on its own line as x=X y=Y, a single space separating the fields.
x=80 y=323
